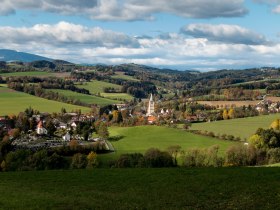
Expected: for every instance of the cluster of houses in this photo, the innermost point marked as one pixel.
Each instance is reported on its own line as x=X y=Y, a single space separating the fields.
x=267 y=105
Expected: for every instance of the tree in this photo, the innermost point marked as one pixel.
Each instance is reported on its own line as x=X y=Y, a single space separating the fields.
x=256 y=141
x=225 y=114
x=275 y=124
x=174 y=151
x=103 y=131
x=231 y=113
x=78 y=161
x=92 y=160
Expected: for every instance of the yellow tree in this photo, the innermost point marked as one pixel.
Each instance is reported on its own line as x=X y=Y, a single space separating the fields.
x=92 y=160
x=275 y=124
x=225 y=114
x=231 y=113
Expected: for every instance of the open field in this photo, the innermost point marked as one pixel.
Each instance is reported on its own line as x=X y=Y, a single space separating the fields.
x=88 y=99
x=142 y=138
x=173 y=188
x=122 y=96
x=229 y=103
x=13 y=102
x=95 y=86
x=243 y=127
x=121 y=75
x=35 y=74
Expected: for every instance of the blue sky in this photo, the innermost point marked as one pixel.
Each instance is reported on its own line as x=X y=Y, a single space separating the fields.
x=180 y=34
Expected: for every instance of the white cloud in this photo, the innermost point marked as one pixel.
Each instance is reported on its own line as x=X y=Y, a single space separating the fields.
x=65 y=33
x=80 y=44
x=224 y=33
x=129 y=10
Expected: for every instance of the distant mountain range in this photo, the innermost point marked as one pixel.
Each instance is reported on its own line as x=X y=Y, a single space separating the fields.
x=12 y=55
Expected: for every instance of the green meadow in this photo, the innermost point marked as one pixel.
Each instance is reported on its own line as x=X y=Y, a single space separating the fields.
x=95 y=86
x=26 y=73
x=167 y=188
x=88 y=99
x=243 y=127
x=13 y=102
x=121 y=75
x=141 y=138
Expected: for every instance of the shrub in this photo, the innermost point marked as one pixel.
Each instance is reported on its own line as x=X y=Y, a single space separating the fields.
x=155 y=158
x=130 y=161
x=241 y=155
x=273 y=155
x=79 y=161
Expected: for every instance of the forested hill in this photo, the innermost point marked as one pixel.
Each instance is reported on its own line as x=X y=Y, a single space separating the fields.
x=12 y=55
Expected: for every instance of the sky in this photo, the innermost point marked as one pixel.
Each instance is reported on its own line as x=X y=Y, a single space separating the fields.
x=180 y=34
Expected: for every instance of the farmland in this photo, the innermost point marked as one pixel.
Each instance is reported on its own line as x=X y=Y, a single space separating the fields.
x=13 y=102
x=88 y=99
x=173 y=188
x=121 y=75
x=27 y=73
x=243 y=127
x=97 y=87
x=229 y=103
x=142 y=138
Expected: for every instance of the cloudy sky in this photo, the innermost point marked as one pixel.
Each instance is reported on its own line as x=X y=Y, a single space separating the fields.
x=179 y=34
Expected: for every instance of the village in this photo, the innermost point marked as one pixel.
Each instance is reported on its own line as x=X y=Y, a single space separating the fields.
x=45 y=130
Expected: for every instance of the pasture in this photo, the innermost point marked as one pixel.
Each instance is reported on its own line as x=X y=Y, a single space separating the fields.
x=88 y=99
x=167 y=188
x=95 y=87
x=142 y=138
x=121 y=75
x=243 y=127
x=27 y=73
x=13 y=102
x=223 y=104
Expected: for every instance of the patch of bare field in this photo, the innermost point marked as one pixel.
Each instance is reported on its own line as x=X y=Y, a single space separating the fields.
x=229 y=103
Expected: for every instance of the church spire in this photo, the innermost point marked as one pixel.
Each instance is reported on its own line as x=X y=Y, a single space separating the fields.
x=151 y=106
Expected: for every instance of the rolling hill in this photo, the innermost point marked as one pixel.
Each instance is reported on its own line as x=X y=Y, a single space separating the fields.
x=12 y=55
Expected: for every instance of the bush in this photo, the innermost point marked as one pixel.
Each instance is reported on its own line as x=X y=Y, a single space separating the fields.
x=241 y=155
x=273 y=155
x=79 y=161
x=203 y=157
x=130 y=161
x=154 y=158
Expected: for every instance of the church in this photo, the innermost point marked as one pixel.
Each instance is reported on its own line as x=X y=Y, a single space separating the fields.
x=151 y=107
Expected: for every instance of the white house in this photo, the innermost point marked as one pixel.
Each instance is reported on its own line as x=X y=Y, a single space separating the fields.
x=66 y=137
x=40 y=129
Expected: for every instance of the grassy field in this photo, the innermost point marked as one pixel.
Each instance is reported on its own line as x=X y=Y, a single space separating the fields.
x=88 y=99
x=36 y=74
x=174 y=188
x=243 y=128
x=121 y=75
x=142 y=138
x=229 y=103
x=96 y=87
x=13 y=102
x=27 y=73
x=122 y=96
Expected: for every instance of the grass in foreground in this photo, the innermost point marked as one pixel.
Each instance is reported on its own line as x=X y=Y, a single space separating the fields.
x=13 y=102
x=173 y=188
x=243 y=127
x=88 y=99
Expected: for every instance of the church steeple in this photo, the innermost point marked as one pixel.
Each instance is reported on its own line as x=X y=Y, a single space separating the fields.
x=151 y=106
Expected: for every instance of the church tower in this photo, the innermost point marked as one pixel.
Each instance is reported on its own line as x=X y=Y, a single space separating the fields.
x=151 y=106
